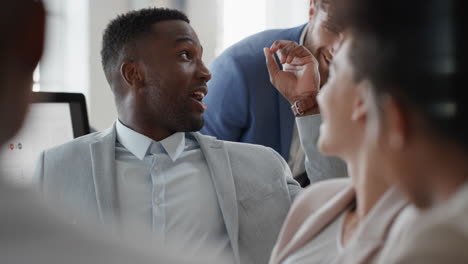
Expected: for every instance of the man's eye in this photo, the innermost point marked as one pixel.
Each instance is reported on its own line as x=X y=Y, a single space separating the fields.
x=185 y=55
x=327 y=59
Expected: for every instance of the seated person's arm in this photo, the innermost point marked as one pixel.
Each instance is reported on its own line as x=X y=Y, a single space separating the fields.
x=318 y=166
x=299 y=82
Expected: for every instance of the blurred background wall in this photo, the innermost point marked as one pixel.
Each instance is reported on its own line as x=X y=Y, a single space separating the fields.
x=72 y=62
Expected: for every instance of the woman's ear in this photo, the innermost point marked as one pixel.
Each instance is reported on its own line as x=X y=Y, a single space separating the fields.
x=360 y=104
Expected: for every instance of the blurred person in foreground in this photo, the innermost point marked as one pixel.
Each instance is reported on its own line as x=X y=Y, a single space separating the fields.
x=351 y=220
x=152 y=169
x=414 y=56
x=30 y=231
x=243 y=106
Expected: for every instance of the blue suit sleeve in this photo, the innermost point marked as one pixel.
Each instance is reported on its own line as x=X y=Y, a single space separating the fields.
x=227 y=100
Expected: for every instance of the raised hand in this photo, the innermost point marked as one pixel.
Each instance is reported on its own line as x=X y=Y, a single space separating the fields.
x=299 y=79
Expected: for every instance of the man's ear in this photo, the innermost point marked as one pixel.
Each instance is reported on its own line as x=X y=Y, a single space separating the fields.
x=312 y=8
x=131 y=74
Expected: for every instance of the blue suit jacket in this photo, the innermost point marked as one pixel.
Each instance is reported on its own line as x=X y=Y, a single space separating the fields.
x=242 y=104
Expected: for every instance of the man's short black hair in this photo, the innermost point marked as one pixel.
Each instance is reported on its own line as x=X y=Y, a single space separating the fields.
x=126 y=28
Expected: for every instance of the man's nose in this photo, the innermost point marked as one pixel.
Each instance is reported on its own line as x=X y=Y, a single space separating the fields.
x=203 y=72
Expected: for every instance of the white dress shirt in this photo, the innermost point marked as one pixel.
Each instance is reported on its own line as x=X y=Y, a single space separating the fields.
x=296 y=154
x=165 y=188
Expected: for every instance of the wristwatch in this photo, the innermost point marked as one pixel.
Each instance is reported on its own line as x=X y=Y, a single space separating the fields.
x=300 y=106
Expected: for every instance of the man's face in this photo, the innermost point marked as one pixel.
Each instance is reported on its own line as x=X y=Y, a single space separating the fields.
x=175 y=77
x=324 y=42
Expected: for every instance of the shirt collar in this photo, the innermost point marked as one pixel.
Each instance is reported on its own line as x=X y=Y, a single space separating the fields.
x=174 y=145
x=139 y=144
x=303 y=34
x=133 y=141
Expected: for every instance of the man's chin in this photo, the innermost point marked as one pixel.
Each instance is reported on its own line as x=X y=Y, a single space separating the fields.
x=198 y=127
x=194 y=124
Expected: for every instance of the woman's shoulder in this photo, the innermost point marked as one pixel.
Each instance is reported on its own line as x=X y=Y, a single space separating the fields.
x=330 y=193
x=317 y=194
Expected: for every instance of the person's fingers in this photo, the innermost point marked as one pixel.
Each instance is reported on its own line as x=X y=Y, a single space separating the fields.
x=299 y=61
x=272 y=66
x=279 y=44
x=289 y=51
x=286 y=51
x=283 y=47
x=297 y=51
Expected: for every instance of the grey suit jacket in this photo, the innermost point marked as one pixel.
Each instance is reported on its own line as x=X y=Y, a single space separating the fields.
x=253 y=184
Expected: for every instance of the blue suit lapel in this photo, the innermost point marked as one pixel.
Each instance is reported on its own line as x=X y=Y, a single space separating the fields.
x=286 y=123
x=103 y=166
x=223 y=181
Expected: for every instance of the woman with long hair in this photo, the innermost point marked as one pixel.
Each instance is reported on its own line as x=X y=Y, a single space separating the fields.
x=398 y=78
x=414 y=54
x=352 y=220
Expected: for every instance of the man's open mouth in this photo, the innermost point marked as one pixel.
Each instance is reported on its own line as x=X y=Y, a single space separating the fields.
x=199 y=95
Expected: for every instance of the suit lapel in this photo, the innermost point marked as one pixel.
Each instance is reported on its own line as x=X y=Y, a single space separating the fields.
x=103 y=165
x=223 y=181
x=286 y=123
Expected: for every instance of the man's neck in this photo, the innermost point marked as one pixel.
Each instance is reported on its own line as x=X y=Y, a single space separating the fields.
x=308 y=42
x=154 y=132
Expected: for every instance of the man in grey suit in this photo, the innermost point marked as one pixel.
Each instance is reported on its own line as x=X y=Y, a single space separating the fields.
x=150 y=169
x=30 y=231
